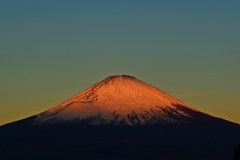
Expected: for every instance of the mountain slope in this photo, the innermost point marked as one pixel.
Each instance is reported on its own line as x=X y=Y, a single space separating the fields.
x=119 y=100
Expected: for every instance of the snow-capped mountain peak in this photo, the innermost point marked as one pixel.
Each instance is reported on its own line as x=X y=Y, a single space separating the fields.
x=119 y=100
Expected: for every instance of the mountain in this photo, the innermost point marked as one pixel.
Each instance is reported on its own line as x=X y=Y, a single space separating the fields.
x=120 y=117
x=118 y=101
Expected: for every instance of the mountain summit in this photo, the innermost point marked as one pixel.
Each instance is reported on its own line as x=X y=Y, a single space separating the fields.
x=120 y=100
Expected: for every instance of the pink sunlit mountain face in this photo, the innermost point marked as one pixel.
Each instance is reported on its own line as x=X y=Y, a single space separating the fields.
x=119 y=100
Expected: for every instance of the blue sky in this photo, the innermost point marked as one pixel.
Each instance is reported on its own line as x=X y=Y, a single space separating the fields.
x=52 y=50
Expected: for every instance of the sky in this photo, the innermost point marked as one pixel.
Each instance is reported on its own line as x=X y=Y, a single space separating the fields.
x=52 y=50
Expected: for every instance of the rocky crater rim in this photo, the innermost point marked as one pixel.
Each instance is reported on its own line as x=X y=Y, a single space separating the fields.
x=121 y=76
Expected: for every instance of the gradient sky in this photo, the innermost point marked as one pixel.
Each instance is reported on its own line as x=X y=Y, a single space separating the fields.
x=52 y=50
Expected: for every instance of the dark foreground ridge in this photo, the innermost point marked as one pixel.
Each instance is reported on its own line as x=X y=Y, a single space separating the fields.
x=184 y=142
